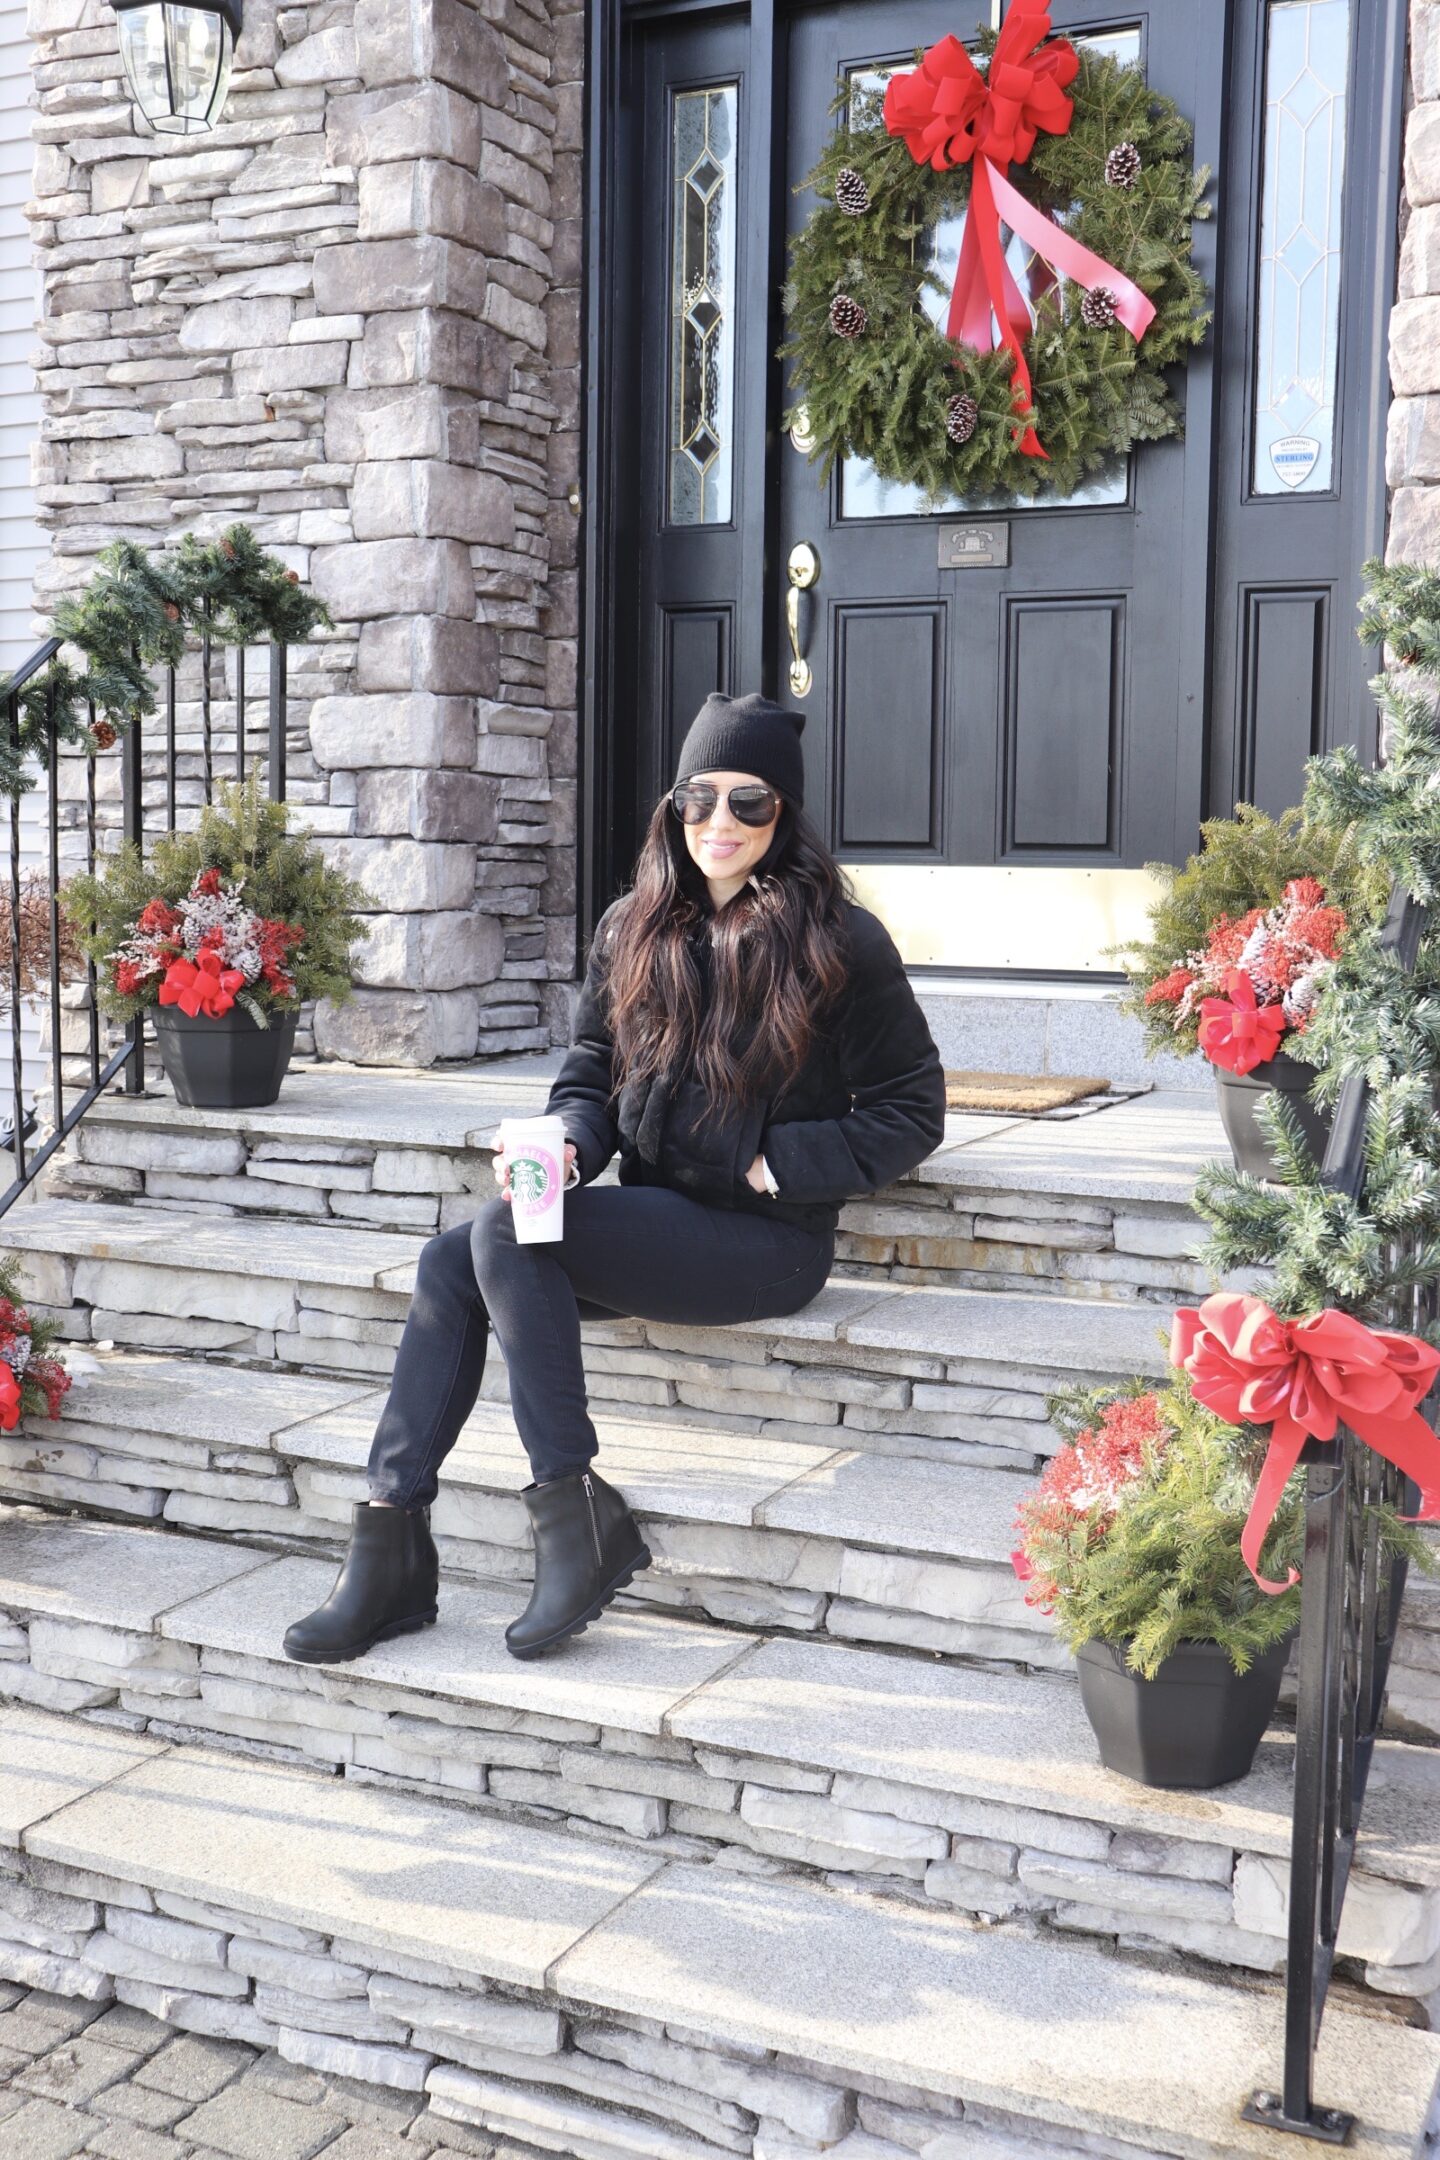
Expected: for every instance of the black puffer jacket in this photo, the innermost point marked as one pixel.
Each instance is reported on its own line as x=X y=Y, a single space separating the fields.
x=868 y=1105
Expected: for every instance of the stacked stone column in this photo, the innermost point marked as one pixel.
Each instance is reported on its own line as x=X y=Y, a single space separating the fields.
x=348 y=318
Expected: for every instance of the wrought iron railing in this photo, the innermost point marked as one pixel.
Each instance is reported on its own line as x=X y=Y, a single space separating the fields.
x=1351 y=1591
x=228 y=717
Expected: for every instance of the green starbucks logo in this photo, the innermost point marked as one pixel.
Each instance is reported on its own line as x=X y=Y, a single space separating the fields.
x=532 y=1180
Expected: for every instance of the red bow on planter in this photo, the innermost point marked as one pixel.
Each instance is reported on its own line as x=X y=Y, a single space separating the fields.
x=201 y=986
x=9 y=1399
x=1304 y=1378
x=1243 y=1033
x=950 y=114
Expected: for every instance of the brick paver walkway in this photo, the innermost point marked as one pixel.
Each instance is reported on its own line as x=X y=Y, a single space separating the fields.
x=84 y=2078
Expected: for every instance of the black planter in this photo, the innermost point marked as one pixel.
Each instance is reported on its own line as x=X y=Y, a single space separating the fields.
x=224 y=1064
x=1241 y=1095
x=1196 y=1724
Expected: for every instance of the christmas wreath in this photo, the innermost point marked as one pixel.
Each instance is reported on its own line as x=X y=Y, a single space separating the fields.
x=1015 y=393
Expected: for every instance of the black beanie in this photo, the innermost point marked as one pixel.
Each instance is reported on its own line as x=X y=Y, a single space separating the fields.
x=750 y=735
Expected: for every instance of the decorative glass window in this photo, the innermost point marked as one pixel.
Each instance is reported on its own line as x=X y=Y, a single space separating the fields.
x=863 y=494
x=702 y=308
x=1307 y=54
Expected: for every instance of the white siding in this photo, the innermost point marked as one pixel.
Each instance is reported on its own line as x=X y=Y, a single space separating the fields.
x=21 y=543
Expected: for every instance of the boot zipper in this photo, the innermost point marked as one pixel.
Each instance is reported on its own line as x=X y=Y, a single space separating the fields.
x=594 y=1524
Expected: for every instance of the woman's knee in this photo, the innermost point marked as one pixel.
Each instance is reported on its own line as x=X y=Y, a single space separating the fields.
x=445 y=1263
x=491 y=1239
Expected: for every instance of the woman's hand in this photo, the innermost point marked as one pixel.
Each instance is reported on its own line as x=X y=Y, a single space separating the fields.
x=501 y=1167
x=755 y=1175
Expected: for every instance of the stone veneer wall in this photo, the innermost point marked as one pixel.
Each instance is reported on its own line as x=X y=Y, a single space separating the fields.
x=1413 y=447
x=349 y=317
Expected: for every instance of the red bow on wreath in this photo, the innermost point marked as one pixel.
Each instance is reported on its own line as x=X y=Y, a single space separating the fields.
x=1304 y=1378
x=203 y=986
x=950 y=114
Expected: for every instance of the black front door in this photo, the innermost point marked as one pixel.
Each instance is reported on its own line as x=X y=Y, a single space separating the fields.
x=1071 y=684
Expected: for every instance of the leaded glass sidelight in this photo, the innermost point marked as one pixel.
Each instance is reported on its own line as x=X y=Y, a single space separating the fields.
x=702 y=308
x=1307 y=51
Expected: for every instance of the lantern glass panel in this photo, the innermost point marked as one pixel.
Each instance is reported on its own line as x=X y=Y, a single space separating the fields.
x=177 y=60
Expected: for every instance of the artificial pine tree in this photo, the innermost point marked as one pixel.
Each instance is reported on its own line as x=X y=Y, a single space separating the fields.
x=1365 y=1255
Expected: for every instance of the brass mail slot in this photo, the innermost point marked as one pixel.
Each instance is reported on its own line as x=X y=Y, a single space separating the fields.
x=974 y=547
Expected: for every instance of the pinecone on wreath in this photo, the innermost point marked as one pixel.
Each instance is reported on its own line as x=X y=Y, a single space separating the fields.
x=1122 y=166
x=962 y=416
x=847 y=317
x=1098 y=308
x=104 y=734
x=852 y=193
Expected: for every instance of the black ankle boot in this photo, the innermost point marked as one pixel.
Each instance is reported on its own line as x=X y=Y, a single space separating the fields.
x=387 y=1586
x=587 y=1546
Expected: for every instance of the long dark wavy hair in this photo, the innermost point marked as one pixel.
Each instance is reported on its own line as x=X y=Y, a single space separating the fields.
x=779 y=955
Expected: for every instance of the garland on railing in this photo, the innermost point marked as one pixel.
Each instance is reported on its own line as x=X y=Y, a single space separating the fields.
x=135 y=615
x=1324 y=1248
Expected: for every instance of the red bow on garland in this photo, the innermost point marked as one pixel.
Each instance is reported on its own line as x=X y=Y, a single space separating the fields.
x=201 y=986
x=950 y=114
x=1304 y=1378
x=9 y=1399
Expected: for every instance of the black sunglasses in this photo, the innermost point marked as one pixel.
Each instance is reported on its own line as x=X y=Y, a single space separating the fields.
x=695 y=801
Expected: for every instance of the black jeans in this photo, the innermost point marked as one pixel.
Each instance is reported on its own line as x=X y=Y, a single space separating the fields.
x=638 y=1250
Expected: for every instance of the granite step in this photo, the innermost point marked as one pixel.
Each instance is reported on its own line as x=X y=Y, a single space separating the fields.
x=609 y=2003
x=944 y=1374
x=746 y=1527
x=1093 y=1206
x=970 y=1789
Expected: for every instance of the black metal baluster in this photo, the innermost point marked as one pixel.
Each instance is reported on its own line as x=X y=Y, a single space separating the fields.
x=132 y=827
x=279 y=694
x=91 y=977
x=17 y=1052
x=206 y=747
x=240 y=713
x=170 y=818
x=52 y=775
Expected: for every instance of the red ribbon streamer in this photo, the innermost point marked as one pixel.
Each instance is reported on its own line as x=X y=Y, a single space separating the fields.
x=203 y=986
x=1304 y=1378
x=950 y=114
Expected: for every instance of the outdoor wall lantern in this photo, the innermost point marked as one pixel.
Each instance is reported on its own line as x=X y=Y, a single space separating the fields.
x=177 y=60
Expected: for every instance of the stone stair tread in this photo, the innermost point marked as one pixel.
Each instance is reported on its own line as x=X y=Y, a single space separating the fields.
x=47 y=1761
x=1023 y=1740
x=626 y=1675
x=1008 y=1327
x=696 y=1472
x=355 y=1258
x=894 y=1720
x=1145 y=1150
x=699 y=1473
x=982 y=1326
x=1049 y=2031
x=185 y=1398
x=1149 y=1149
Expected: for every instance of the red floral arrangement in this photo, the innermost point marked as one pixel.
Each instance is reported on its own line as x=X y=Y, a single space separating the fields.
x=207 y=953
x=1258 y=977
x=33 y=1382
x=1083 y=1488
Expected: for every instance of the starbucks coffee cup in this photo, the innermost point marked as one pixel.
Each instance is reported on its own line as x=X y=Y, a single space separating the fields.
x=535 y=1154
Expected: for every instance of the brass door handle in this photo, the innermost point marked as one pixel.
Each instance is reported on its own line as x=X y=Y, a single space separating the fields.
x=803 y=572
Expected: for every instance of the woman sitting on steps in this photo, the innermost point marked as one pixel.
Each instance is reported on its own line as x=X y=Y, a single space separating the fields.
x=746 y=1035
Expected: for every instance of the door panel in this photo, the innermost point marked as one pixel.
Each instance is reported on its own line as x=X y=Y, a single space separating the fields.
x=889 y=778
x=1063 y=737
x=1062 y=723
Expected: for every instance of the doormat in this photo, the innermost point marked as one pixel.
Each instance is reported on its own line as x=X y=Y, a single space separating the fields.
x=1017 y=1094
